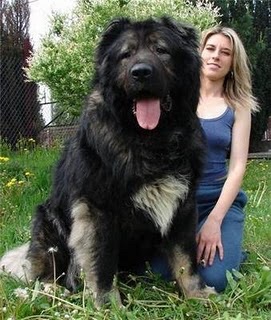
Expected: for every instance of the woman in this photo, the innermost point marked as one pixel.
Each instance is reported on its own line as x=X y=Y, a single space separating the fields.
x=224 y=110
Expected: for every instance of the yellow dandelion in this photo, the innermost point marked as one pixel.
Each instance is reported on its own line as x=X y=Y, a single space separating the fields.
x=28 y=174
x=11 y=183
x=4 y=159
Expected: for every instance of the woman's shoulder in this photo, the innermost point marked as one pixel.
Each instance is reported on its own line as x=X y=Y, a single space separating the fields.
x=242 y=117
x=240 y=112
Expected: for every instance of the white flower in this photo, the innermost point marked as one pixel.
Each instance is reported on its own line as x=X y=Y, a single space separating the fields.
x=21 y=293
x=53 y=249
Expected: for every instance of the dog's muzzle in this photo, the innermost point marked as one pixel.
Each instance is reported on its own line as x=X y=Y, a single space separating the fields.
x=141 y=72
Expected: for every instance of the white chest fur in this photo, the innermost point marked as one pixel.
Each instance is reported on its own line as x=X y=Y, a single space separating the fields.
x=160 y=200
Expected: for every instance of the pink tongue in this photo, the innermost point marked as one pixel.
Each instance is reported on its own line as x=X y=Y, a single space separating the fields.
x=148 y=113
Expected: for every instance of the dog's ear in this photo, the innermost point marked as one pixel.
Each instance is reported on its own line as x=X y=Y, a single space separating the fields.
x=111 y=32
x=185 y=31
x=186 y=38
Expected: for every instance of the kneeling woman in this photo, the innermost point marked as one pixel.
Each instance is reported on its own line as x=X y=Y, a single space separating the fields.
x=224 y=110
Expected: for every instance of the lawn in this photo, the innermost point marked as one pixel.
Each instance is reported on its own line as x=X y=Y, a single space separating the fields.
x=25 y=179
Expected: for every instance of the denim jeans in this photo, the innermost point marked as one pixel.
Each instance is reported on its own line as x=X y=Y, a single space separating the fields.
x=231 y=232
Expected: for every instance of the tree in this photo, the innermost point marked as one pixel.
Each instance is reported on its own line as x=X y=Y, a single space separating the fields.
x=261 y=69
x=19 y=105
x=252 y=21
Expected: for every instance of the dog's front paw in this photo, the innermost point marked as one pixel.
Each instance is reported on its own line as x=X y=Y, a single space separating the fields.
x=201 y=293
x=101 y=297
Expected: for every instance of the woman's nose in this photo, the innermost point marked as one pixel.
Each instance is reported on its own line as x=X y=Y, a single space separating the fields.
x=215 y=54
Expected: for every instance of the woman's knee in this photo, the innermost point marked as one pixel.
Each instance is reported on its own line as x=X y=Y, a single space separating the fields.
x=214 y=277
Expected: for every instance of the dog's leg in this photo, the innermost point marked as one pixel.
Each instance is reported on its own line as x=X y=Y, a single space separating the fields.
x=184 y=271
x=182 y=251
x=94 y=242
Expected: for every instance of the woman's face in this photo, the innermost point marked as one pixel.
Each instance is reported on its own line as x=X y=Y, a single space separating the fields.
x=217 y=57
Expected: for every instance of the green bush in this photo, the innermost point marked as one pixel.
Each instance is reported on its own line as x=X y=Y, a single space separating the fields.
x=65 y=60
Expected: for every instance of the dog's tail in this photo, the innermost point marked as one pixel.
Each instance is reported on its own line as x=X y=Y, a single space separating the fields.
x=15 y=263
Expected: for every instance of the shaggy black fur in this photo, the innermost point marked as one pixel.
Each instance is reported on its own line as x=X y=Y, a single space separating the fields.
x=124 y=190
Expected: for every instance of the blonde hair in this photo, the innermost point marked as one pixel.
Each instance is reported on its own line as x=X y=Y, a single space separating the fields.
x=237 y=84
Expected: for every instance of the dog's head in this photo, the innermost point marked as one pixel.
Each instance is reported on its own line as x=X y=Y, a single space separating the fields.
x=148 y=66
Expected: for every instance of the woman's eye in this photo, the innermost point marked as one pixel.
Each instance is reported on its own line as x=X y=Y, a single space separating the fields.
x=226 y=53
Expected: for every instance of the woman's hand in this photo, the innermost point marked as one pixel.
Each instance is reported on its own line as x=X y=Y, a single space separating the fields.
x=208 y=241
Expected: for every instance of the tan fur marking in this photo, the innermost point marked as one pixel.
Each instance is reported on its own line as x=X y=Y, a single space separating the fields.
x=190 y=284
x=160 y=200
x=82 y=240
x=95 y=99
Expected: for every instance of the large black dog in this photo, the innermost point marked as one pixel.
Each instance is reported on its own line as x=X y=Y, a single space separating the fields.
x=124 y=189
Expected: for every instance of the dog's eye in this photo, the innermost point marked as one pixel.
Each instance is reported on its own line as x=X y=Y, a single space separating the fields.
x=125 y=55
x=161 y=50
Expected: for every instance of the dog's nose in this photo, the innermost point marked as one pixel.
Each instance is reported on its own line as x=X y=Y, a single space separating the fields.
x=141 y=71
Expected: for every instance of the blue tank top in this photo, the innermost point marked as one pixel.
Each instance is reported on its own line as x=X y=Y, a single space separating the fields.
x=218 y=133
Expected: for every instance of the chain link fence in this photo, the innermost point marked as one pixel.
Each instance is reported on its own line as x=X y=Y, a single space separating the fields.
x=19 y=117
x=22 y=116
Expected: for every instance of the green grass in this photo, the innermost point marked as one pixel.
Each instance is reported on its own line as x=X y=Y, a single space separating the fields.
x=25 y=180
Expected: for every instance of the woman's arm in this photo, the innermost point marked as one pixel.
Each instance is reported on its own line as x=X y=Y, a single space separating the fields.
x=209 y=237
